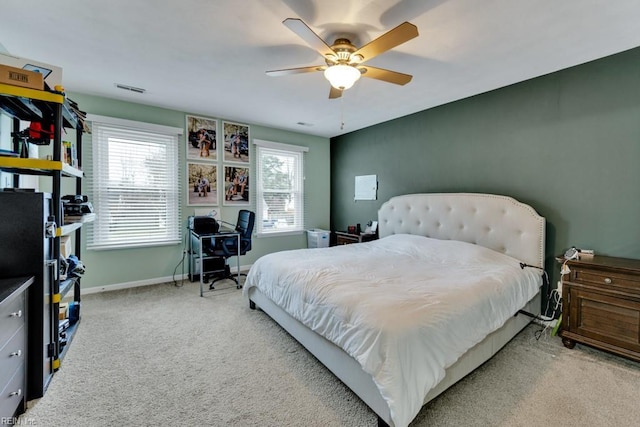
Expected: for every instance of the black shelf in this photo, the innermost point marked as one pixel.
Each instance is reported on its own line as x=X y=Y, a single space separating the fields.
x=48 y=108
x=35 y=105
x=67 y=285
x=70 y=334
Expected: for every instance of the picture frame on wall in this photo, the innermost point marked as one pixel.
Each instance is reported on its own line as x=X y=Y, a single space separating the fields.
x=237 y=188
x=202 y=184
x=201 y=139
x=236 y=142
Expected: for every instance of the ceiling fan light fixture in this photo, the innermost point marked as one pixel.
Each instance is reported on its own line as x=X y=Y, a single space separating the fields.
x=342 y=76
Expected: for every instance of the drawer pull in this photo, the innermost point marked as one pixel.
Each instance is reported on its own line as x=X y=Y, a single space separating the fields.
x=16 y=393
x=16 y=314
x=607 y=280
x=16 y=353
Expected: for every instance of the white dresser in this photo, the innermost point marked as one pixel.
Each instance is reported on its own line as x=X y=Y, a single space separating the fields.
x=13 y=345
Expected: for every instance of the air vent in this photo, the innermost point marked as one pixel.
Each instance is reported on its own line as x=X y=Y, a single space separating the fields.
x=130 y=88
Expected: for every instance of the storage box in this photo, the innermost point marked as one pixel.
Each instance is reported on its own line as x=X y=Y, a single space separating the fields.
x=19 y=77
x=62 y=313
x=66 y=246
x=317 y=238
x=51 y=74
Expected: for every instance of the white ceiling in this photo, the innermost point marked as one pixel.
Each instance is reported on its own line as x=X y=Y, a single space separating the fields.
x=209 y=57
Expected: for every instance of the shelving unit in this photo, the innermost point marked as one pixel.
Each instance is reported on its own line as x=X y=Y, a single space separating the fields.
x=24 y=104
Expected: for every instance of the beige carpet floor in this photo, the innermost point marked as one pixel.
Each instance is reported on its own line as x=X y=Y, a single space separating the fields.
x=161 y=355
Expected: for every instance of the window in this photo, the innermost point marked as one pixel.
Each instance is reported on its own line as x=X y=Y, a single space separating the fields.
x=134 y=184
x=280 y=192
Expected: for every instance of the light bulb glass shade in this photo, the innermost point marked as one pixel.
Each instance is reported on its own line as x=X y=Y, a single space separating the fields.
x=342 y=76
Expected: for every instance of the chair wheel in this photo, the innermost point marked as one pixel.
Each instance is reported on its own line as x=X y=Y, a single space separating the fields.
x=211 y=287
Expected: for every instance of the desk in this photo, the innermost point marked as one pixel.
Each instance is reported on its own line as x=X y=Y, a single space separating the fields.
x=197 y=254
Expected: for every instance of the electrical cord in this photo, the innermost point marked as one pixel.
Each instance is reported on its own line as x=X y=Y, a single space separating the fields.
x=545 y=277
x=181 y=262
x=556 y=299
x=553 y=296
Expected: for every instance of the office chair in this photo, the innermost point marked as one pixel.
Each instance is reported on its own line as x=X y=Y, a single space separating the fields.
x=228 y=247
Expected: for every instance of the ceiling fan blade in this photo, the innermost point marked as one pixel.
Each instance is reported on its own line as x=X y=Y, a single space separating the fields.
x=301 y=70
x=386 y=75
x=307 y=34
x=392 y=38
x=334 y=93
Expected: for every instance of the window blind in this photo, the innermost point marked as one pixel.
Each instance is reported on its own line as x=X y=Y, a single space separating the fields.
x=280 y=192
x=134 y=187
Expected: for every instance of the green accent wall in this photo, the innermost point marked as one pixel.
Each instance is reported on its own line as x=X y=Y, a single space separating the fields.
x=113 y=267
x=566 y=143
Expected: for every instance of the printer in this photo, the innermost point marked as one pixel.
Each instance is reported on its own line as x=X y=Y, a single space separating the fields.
x=76 y=205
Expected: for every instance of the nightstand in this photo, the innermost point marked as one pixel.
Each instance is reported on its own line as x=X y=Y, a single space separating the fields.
x=601 y=305
x=344 y=238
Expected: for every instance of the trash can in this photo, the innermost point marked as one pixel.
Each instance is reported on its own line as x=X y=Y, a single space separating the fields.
x=317 y=238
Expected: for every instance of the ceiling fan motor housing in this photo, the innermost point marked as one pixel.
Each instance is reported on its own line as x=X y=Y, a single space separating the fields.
x=343 y=48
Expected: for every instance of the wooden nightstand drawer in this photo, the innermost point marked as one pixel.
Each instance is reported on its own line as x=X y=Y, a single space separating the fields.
x=606 y=279
x=344 y=238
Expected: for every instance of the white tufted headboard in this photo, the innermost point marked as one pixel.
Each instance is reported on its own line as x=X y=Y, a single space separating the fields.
x=497 y=222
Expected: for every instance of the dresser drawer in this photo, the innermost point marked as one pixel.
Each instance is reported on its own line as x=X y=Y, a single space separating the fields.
x=628 y=282
x=12 y=315
x=342 y=239
x=13 y=394
x=12 y=355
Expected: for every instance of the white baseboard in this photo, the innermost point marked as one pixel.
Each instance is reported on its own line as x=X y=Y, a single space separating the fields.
x=138 y=283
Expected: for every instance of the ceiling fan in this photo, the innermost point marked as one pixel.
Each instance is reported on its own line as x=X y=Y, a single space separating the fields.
x=344 y=61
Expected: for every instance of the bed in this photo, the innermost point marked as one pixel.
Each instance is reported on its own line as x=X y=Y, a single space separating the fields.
x=402 y=318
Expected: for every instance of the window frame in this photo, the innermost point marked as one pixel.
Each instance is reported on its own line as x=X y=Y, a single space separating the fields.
x=297 y=153
x=166 y=138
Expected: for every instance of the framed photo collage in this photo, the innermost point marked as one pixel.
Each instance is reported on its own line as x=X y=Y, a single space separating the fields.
x=218 y=160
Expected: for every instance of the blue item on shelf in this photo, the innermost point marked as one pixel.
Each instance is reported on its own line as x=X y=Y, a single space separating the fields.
x=74 y=312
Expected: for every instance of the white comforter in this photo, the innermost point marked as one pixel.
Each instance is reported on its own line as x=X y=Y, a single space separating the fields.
x=405 y=307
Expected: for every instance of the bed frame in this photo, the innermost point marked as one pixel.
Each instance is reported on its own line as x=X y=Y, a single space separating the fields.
x=497 y=222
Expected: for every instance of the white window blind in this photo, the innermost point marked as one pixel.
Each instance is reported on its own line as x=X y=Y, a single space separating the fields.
x=134 y=186
x=280 y=188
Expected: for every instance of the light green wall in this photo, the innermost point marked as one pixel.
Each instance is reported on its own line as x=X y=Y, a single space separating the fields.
x=567 y=143
x=130 y=265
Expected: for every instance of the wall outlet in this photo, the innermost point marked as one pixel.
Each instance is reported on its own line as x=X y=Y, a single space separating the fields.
x=559 y=287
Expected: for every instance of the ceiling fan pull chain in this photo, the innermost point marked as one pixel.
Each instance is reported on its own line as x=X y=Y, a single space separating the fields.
x=341 y=112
